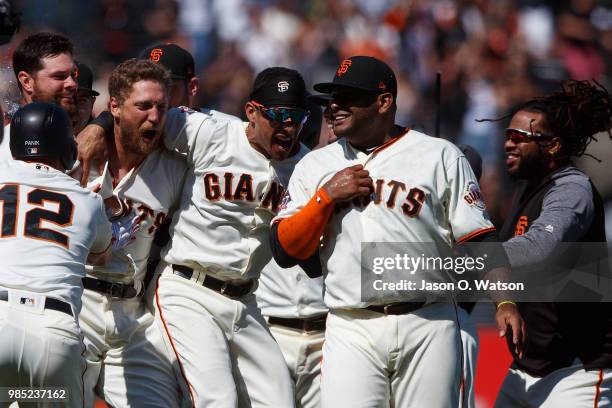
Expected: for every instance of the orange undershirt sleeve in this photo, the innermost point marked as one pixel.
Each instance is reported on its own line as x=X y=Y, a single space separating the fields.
x=299 y=234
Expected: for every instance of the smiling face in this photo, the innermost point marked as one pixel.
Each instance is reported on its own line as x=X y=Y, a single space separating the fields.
x=53 y=83
x=275 y=140
x=527 y=159
x=141 y=117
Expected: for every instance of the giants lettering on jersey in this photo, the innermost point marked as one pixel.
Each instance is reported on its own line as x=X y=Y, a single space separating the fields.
x=391 y=194
x=231 y=187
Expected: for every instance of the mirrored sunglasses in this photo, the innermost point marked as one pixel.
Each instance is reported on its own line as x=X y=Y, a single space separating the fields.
x=522 y=136
x=283 y=115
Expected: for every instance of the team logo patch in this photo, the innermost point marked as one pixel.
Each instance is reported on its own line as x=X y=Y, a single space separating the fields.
x=521 y=225
x=343 y=68
x=27 y=301
x=156 y=54
x=283 y=86
x=187 y=109
x=32 y=150
x=473 y=196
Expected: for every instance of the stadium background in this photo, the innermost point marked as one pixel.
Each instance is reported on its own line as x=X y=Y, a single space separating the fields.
x=492 y=55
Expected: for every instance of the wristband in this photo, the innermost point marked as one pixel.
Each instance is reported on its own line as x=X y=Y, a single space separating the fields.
x=107 y=122
x=505 y=302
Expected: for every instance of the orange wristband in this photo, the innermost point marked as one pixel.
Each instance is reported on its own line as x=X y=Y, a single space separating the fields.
x=299 y=235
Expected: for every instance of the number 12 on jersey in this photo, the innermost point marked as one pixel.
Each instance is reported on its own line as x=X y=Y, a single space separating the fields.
x=9 y=197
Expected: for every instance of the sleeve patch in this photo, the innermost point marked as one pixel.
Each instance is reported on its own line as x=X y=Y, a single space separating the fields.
x=285 y=200
x=473 y=196
x=186 y=109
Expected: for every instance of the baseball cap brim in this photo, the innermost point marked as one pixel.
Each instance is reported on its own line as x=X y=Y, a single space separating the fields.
x=322 y=100
x=91 y=91
x=328 y=87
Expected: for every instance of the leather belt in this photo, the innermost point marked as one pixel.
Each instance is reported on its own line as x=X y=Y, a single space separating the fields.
x=230 y=290
x=396 y=308
x=50 y=303
x=112 y=289
x=305 y=324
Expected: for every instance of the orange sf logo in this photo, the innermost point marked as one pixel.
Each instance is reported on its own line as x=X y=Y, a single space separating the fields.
x=156 y=54
x=344 y=66
x=521 y=224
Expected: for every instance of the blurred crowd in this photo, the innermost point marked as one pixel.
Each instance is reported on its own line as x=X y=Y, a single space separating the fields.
x=492 y=54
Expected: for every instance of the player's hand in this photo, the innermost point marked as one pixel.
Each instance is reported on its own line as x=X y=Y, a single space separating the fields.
x=349 y=183
x=124 y=230
x=91 y=146
x=508 y=317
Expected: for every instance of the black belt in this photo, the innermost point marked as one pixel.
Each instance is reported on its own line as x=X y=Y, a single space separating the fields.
x=50 y=303
x=114 y=290
x=306 y=324
x=396 y=308
x=232 y=291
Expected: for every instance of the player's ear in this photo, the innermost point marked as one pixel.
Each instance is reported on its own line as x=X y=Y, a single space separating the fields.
x=193 y=86
x=251 y=113
x=554 y=147
x=26 y=81
x=385 y=102
x=115 y=107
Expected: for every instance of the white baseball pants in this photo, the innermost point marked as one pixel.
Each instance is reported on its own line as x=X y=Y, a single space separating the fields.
x=225 y=351
x=403 y=361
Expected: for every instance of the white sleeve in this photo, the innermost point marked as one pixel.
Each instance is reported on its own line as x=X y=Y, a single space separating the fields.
x=189 y=132
x=467 y=215
x=103 y=229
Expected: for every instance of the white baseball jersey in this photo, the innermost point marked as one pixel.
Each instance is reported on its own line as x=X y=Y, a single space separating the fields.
x=5 y=148
x=422 y=193
x=231 y=193
x=49 y=224
x=150 y=190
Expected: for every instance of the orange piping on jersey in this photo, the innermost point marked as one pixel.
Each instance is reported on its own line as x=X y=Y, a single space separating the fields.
x=474 y=234
x=83 y=373
x=300 y=234
x=390 y=142
x=598 y=389
x=178 y=359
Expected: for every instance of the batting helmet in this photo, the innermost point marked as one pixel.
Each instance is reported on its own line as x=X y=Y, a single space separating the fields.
x=43 y=130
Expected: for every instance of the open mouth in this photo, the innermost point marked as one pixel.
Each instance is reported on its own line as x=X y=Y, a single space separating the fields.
x=149 y=134
x=339 y=118
x=511 y=158
x=283 y=141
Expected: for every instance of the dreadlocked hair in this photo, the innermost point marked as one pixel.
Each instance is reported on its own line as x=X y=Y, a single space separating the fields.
x=575 y=113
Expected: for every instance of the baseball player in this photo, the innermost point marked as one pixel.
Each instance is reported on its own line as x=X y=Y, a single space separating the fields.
x=86 y=96
x=203 y=300
x=293 y=306
x=49 y=225
x=383 y=351
x=219 y=244
x=43 y=66
x=568 y=359
x=127 y=360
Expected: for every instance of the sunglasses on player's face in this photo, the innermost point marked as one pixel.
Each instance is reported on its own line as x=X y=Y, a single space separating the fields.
x=522 y=136
x=283 y=115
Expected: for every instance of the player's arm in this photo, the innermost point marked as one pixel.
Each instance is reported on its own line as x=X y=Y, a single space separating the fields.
x=295 y=238
x=91 y=143
x=470 y=224
x=566 y=209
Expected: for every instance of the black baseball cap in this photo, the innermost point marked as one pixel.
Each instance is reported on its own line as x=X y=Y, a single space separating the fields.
x=362 y=72
x=279 y=86
x=473 y=157
x=176 y=59
x=84 y=78
x=319 y=99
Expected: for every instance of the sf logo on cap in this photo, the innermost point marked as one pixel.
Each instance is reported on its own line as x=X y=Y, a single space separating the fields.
x=344 y=66
x=156 y=54
x=283 y=86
